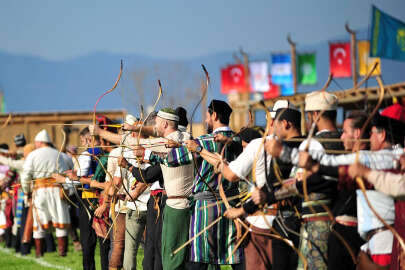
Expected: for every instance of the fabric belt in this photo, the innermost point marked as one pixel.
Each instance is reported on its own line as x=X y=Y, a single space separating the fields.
x=177 y=197
x=346 y=221
x=157 y=192
x=209 y=196
x=371 y=233
x=45 y=183
x=316 y=217
x=317 y=206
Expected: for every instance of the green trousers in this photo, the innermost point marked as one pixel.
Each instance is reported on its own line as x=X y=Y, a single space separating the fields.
x=176 y=223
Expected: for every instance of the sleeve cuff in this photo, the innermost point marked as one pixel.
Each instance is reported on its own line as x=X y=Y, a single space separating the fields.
x=250 y=207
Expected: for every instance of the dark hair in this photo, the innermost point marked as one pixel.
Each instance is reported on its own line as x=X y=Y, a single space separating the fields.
x=84 y=131
x=4 y=146
x=394 y=129
x=330 y=115
x=249 y=134
x=222 y=109
x=182 y=113
x=290 y=115
x=358 y=119
x=224 y=119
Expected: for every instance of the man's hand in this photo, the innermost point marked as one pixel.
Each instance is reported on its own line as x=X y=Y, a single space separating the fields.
x=191 y=145
x=233 y=213
x=273 y=147
x=100 y=210
x=358 y=170
x=258 y=196
x=94 y=129
x=72 y=175
x=59 y=178
x=85 y=180
x=402 y=162
x=172 y=144
x=221 y=138
x=122 y=162
x=305 y=161
x=129 y=127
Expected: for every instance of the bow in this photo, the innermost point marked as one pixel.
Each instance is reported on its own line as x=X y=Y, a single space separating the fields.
x=207 y=85
x=57 y=165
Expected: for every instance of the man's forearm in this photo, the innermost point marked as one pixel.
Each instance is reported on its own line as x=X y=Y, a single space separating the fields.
x=109 y=136
x=139 y=189
x=213 y=159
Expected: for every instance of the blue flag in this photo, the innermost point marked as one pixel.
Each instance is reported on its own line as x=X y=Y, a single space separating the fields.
x=281 y=73
x=387 y=36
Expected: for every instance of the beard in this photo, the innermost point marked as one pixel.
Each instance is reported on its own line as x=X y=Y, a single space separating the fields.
x=209 y=128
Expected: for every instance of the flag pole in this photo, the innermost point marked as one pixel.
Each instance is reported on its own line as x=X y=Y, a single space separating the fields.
x=245 y=96
x=354 y=52
x=293 y=62
x=2 y=109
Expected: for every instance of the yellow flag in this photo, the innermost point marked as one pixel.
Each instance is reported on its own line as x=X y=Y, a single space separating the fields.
x=366 y=62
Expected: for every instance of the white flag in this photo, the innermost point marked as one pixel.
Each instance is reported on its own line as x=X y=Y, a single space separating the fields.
x=259 y=76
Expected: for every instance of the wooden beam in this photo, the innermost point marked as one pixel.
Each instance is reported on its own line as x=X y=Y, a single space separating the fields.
x=293 y=62
x=354 y=53
x=345 y=97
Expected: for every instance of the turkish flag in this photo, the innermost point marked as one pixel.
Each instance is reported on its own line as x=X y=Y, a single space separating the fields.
x=233 y=79
x=273 y=92
x=340 y=59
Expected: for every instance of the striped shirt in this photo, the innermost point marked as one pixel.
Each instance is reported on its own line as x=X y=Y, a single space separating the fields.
x=182 y=156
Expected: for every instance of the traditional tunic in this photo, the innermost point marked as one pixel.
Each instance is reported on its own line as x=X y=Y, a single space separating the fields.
x=316 y=226
x=215 y=245
x=49 y=209
x=393 y=185
x=258 y=251
x=178 y=181
x=385 y=159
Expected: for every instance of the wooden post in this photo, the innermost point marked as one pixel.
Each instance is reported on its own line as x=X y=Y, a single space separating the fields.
x=246 y=95
x=293 y=62
x=354 y=53
x=2 y=109
x=303 y=120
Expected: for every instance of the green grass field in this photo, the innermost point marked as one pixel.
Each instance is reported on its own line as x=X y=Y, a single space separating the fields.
x=73 y=261
x=11 y=261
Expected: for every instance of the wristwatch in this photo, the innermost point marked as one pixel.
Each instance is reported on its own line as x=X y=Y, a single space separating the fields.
x=198 y=149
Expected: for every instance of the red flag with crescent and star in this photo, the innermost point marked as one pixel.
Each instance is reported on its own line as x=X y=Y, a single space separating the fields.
x=340 y=59
x=233 y=79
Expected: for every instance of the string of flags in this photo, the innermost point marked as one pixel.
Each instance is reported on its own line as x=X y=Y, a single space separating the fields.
x=275 y=77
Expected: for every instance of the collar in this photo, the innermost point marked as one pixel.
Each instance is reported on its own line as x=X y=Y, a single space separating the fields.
x=225 y=128
x=323 y=131
x=182 y=128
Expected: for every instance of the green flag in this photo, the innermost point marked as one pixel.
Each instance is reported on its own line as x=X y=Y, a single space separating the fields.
x=306 y=68
x=387 y=36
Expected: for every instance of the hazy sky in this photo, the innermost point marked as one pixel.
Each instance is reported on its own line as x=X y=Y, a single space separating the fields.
x=182 y=29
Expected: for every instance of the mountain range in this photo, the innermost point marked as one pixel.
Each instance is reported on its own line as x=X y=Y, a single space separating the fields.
x=32 y=84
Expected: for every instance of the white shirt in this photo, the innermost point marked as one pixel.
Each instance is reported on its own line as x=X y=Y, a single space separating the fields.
x=242 y=166
x=128 y=180
x=84 y=161
x=41 y=163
